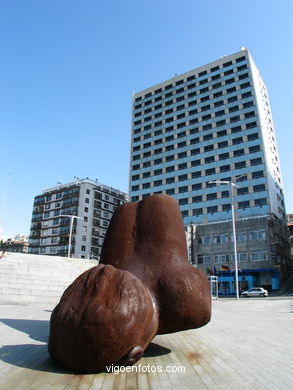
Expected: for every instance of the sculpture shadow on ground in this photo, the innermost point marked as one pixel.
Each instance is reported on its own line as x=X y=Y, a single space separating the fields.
x=36 y=357
x=36 y=329
x=30 y=356
x=154 y=350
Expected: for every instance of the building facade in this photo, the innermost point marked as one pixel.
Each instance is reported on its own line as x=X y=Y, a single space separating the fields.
x=87 y=204
x=17 y=244
x=213 y=123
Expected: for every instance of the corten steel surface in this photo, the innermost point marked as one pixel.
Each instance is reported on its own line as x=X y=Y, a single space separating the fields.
x=144 y=287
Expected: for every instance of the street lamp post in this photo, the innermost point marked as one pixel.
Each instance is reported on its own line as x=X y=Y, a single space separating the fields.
x=231 y=185
x=70 y=230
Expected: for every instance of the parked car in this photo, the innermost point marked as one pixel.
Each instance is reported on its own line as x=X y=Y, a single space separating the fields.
x=255 y=292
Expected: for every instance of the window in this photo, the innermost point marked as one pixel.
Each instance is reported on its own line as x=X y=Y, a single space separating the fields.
x=156 y=162
x=210 y=171
x=235 y=129
x=194 y=141
x=182 y=166
x=209 y=148
x=223 y=156
x=207 y=127
x=183 y=201
x=250 y=125
x=170 y=169
x=243 y=76
x=146 y=185
x=239 y=152
x=212 y=209
x=231 y=90
x=182 y=177
x=196 y=186
x=225 y=168
x=181 y=144
x=252 y=137
x=242 y=191
x=259 y=187
x=226 y=64
x=233 y=108
x=195 y=151
x=240 y=59
x=240 y=164
x=247 y=104
x=226 y=207
x=229 y=81
x=182 y=154
x=243 y=205
x=232 y=99
x=157 y=183
x=195 y=130
x=222 y=144
x=218 y=259
x=196 y=174
x=207 y=137
x=86 y=209
x=256 y=161
x=182 y=189
x=210 y=159
x=170 y=180
x=235 y=118
x=257 y=174
x=196 y=199
x=220 y=113
x=225 y=194
x=221 y=133
x=241 y=257
x=240 y=236
x=204 y=240
x=259 y=256
x=170 y=157
x=212 y=196
x=260 y=202
x=198 y=211
x=220 y=239
x=170 y=191
x=83 y=248
x=257 y=235
x=254 y=149
x=246 y=95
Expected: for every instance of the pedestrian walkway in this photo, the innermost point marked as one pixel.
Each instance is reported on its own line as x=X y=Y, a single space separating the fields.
x=247 y=345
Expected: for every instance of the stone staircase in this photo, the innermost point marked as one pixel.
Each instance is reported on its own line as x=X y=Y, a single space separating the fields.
x=36 y=279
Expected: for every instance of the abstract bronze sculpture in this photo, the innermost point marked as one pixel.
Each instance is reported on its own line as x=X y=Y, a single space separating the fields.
x=144 y=286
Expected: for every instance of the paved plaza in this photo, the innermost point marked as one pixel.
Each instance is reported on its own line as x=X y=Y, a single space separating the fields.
x=247 y=345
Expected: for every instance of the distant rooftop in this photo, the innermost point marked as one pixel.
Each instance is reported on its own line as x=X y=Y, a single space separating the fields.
x=78 y=181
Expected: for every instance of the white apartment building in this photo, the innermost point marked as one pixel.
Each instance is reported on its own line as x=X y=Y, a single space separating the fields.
x=81 y=209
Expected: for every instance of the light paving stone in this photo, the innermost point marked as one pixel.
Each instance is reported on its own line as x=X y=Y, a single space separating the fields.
x=247 y=345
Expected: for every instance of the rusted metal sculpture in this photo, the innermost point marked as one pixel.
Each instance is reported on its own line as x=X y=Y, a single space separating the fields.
x=144 y=286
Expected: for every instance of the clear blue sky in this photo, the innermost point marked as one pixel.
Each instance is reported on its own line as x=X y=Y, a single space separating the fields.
x=68 y=69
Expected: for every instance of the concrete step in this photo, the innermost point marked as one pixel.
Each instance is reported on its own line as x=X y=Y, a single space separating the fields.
x=30 y=291
x=4 y=282
x=32 y=279
x=27 y=299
